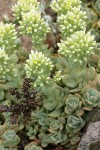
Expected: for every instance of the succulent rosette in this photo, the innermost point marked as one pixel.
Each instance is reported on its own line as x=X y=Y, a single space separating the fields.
x=10 y=139
x=72 y=103
x=91 y=99
x=32 y=146
x=74 y=124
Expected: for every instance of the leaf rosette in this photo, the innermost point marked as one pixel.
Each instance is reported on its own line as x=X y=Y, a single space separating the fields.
x=91 y=99
x=10 y=139
x=74 y=124
x=55 y=126
x=72 y=103
x=32 y=146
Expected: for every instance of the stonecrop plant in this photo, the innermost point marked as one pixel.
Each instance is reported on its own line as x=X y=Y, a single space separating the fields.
x=38 y=68
x=8 y=37
x=62 y=7
x=77 y=47
x=4 y=60
x=33 y=25
x=77 y=44
x=53 y=90
x=24 y=7
x=72 y=21
x=7 y=66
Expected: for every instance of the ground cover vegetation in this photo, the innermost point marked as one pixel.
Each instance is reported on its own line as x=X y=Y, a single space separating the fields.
x=47 y=93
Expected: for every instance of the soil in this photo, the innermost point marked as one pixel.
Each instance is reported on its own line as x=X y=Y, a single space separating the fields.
x=5 y=9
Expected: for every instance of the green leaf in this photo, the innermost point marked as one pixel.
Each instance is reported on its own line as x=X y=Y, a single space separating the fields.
x=50 y=105
x=14 y=58
x=69 y=81
x=2 y=95
x=55 y=113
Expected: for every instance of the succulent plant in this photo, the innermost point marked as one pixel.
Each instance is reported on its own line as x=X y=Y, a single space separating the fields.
x=41 y=118
x=33 y=25
x=74 y=20
x=53 y=138
x=62 y=6
x=91 y=15
x=95 y=33
x=72 y=104
x=77 y=47
x=66 y=81
x=2 y=129
x=9 y=126
x=51 y=102
x=10 y=139
x=55 y=126
x=74 y=74
x=32 y=146
x=69 y=81
x=92 y=9
x=38 y=68
x=74 y=124
x=58 y=137
x=91 y=99
x=7 y=66
x=32 y=131
x=2 y=148
x=57 y=77
x=4 y=59
x=97 y=6
x=24 y=6
x=8 y=37
x=75 y=139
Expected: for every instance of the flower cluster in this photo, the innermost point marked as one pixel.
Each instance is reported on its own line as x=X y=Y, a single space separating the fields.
x=77 y=47
x=8 y=36
x=73 y=21
x=8 y=71
x=62 y=6
x=38 y=67
x=24 y=6
x=33 y=25
x=30 y=20
x=57 y=76
x=3 y=64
